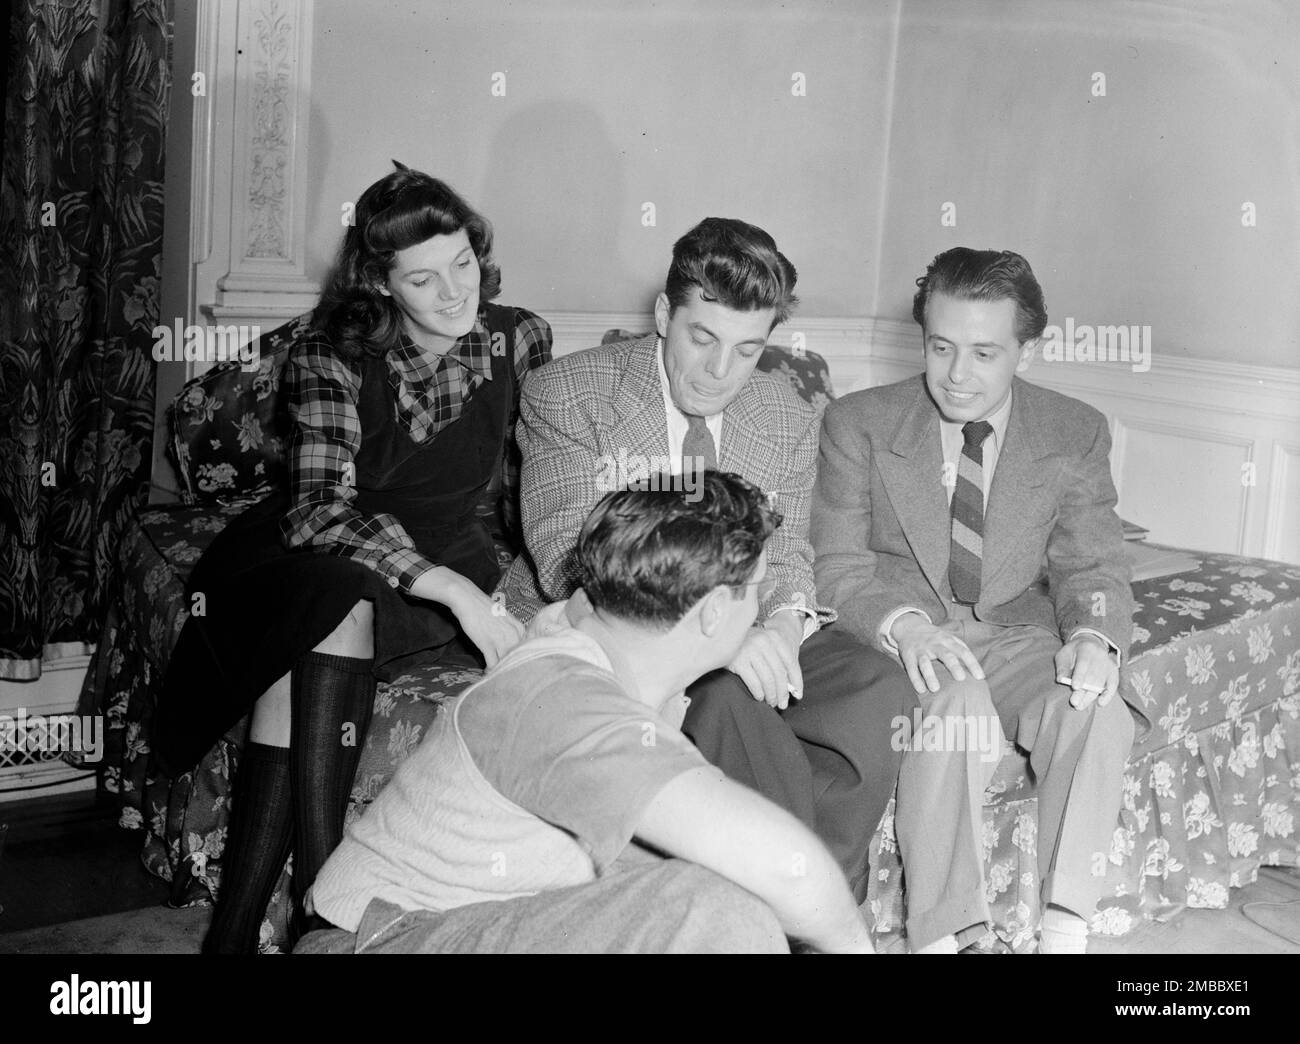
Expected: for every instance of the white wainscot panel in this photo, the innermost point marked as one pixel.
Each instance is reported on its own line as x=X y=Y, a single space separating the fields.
x=1282 y=537
x=1183 y=483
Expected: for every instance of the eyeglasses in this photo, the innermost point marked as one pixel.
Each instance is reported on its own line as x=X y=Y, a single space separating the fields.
x=765 y=586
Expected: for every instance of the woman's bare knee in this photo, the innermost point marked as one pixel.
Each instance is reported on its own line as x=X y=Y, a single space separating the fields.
x=355 y=634
x=272 y=715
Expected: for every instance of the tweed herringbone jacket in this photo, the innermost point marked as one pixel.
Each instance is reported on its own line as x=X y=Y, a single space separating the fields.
x=584 y=412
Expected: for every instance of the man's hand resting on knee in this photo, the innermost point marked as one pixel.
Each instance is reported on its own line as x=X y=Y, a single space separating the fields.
x=768 y=662
x=921 y=644
x=1086 y=664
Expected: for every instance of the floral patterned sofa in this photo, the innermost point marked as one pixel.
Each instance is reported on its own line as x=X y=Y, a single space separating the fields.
x=1211 y=793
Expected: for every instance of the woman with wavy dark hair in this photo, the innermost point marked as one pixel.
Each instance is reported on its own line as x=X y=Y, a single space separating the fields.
x=378 y=555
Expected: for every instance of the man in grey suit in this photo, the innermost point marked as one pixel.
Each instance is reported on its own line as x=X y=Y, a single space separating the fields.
x=963 y=521
x=690 y=397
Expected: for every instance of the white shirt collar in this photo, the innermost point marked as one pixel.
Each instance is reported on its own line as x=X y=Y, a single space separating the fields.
x=676 y=419
x=999 y=419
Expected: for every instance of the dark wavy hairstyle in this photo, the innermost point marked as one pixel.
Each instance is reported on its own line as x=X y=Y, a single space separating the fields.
x=734 y=263
x=985 y=275
x=650 y=552
x=398 y=211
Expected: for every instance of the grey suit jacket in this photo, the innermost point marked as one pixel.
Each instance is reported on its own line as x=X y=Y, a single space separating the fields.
x=578 y=412
x=1053 y=545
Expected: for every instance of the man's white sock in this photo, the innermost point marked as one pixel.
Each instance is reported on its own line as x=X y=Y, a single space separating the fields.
x=1063 y=932
x=944 y=944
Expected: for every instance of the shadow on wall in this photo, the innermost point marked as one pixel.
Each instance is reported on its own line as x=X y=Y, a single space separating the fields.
x=556 y=192
x=322 y=211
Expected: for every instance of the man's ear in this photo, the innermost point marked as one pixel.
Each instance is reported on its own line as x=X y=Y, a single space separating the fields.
x=1027 y=351
x=662 y=308
x=713 y=610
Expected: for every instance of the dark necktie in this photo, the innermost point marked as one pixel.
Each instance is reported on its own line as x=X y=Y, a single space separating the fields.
x=698 y=451
x=966 y=556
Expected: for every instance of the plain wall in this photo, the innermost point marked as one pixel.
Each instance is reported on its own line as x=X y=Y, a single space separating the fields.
x=683 y=104
x=1128 y=206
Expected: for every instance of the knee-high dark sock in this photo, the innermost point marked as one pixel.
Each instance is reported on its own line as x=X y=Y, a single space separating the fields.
x=332 y=700
x=261 y=831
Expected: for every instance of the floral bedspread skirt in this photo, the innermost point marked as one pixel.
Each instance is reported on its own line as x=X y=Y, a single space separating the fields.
x=1211 y=793
x=1211 y=790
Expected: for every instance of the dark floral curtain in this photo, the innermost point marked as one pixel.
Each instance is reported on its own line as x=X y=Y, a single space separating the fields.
x=81 y=217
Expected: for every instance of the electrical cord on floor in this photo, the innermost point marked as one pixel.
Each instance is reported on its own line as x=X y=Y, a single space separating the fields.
x=1278 y=918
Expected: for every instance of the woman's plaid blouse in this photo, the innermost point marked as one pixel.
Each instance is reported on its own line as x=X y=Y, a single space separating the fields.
x=429 y=393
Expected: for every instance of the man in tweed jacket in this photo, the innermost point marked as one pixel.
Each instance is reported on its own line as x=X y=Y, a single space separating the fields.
x=628 y=411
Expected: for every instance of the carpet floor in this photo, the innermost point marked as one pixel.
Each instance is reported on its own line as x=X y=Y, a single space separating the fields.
x=157 y=929
x=1234 y=930
x=71 y=882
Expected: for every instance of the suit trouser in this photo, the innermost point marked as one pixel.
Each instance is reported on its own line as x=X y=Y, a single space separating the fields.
x=667 y=906
x=827 y=758
x=1077 y=760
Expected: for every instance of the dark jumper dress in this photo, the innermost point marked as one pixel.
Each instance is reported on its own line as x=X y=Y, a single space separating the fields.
x=267 y=605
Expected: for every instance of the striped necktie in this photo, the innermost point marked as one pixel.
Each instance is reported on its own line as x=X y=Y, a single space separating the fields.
x=698 y=447
x=967 y=552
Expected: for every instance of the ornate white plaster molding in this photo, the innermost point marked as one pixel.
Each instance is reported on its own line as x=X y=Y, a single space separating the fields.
x=267 y=212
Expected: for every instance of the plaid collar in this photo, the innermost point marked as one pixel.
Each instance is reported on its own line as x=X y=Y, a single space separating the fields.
x=431 y=389
x=418 y=368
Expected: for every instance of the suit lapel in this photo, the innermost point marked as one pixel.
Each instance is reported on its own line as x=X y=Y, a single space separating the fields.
x=1016 y=489
x=640 y=425
x=912 y=471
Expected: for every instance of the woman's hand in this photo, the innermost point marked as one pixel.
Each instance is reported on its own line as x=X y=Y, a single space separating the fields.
x=486 y=622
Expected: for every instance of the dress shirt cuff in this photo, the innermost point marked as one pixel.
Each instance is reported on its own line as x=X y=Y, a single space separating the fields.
x=812 y=620
x=1119 y=660
x=887 y=624
x=401 y=568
